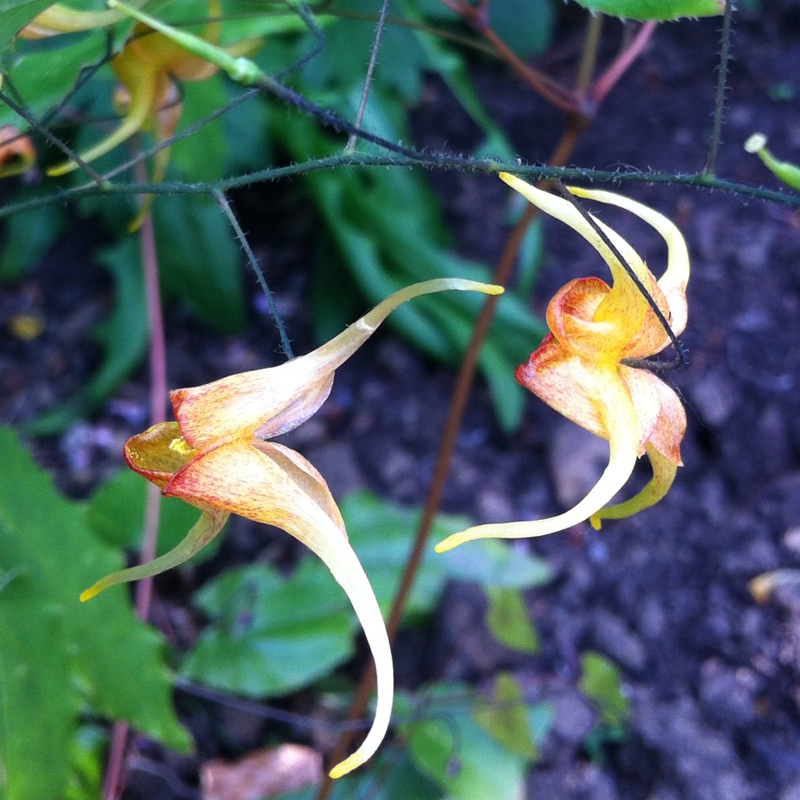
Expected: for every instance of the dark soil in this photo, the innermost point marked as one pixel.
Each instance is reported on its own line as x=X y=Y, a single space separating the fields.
x=712 y=677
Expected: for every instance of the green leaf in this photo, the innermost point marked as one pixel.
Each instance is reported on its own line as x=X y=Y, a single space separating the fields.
x=526 y=26
x=496 y=564
x=123 y=337
x=15 y=15
x=509 y=622
x=601 y=682
x=56 y=654
x=271 y=635
x=28 y=237
x=506 y=717
x=660 y=10
x=463 y=758
x=115 y=513
x=199 y=259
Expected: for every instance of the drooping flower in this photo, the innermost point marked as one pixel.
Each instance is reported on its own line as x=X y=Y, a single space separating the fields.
x=591 y=368
x=216 y=457
x=17 y=153
x=148 y=67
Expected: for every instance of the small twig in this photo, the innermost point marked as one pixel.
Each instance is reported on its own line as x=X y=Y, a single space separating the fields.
x=373 y=60
x=223 y=203
x=619 y=66
x=591 y=46
x=101 y=182
x=722 y=83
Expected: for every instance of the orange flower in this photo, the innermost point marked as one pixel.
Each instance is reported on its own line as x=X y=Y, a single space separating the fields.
x=216 y=458
x=148 y=67
x=585 y=368
x=17 y=153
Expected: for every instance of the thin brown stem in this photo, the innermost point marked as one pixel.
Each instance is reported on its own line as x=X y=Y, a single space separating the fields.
x=619 y=66
x=115 y=777
x=591 y=46
x=552 y=91
x=576 y=124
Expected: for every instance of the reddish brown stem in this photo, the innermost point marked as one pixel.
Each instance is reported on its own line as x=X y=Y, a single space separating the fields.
x=477 y=16
x=115 y=777
x=466 y=375
x=606 y=82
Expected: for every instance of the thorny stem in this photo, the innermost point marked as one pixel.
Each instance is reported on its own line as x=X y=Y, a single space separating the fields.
x=722 y=82
x=223 y=203
x=461 y=393
x=373 y=60
x=114 y=782
x=54 y=140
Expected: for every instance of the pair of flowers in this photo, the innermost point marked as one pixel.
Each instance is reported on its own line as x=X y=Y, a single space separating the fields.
x=592 y=368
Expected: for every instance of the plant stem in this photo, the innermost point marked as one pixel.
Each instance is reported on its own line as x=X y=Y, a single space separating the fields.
x=114 y=782
x=606 y=82
x=576 y=124
x=722 y=82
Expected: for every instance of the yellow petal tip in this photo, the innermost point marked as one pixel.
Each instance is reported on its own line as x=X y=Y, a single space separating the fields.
x=91 y=592
x=343 y=767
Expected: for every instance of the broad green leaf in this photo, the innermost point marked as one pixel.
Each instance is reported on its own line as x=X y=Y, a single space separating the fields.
x=270 y=635
x=123 y=337
x=115 y=513
x=496 y=564
x=468 y=763
x=506 y=717
x=15 y=15
x=28 y=237
x=660 y=10
x=509 y=622
x=199 y=259
x=43 y=73
x=56 y=654
x=601 y=682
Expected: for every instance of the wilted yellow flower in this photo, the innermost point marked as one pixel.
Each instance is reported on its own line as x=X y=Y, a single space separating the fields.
x=584 y=370
x=216 y=457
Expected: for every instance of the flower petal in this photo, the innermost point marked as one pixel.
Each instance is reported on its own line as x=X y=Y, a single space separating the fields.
x=675 y=278
x=158 y=453
x=617 y=416
x=624 y=307
x=271 y=484
x=664 y=470
x=209 y=525
x=278 y=399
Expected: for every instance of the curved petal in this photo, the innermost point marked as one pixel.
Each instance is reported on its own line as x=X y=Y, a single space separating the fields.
x=158 y=453
x=274 y=485
x=664 y=471
x=565 y=382
x=278 y=399
x=209 y=525
x=570 y=316
x=669 y=427
x=618 y=418
x=624 y=306
x=675 y=278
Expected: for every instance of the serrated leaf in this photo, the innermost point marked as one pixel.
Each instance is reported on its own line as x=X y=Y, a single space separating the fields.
x=508 y=620
x=506 y=717
x=660 y=10
x=123 y=336
x=601 y=681
x=56 y=653
x=199 y=259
